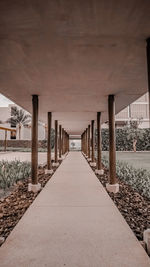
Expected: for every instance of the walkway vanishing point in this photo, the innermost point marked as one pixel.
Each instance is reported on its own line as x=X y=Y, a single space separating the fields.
x=73 y=222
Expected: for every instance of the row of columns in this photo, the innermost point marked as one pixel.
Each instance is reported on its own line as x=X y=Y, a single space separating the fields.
x=88 y=145
x=61 y=145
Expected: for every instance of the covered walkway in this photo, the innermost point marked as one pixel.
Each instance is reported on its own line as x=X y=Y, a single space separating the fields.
x=73 y=222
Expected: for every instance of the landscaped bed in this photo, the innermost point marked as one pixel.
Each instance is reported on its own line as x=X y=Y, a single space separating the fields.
x=14 y=205
x=134 y=207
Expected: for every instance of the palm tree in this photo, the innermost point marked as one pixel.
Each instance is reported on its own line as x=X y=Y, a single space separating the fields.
x=19 y=118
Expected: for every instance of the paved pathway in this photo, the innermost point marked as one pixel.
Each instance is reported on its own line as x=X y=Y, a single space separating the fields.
x=73 y=223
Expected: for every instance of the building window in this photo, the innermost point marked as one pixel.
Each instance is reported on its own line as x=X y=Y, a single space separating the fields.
x=13 y=135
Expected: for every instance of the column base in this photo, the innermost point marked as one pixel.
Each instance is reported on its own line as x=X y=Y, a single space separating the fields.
x=48 y=171
x=112 y=188
x=60 y=158
x=34 y=187
x=89 y=159
x=93 y=164
x=42 y=165
x=146 y=237
x=55 y=164
x=100 y=172
x=86 y=156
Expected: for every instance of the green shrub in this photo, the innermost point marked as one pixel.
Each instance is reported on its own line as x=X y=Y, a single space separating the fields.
x=124 y=143
x=139 y=179
x=12 y=172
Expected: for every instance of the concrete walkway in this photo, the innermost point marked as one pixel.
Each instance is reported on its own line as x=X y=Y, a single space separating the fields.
x=73 y=223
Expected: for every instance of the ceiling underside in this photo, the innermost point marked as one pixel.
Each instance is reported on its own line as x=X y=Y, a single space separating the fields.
x=73 y=54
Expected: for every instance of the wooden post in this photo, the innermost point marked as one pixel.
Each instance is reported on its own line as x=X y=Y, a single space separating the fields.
x=112 y=145
x=34 y=186
x=112 y=186
x=49 y=164
x=92 y=140
x=89 y=142
x=5 y=142
x=83 y=142
x=99 y=157
x=34 y=138
x=64 y=142
x=60 y=141
x=68 y=142
x=56 y=141
x=148 y=71
x=86 y=142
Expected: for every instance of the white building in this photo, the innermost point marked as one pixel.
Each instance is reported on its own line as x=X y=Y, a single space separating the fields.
x=138 y=110
x=5 y=114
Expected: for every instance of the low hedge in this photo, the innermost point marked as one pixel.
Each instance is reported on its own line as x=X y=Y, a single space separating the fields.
x=122 y=142
x=139 y=179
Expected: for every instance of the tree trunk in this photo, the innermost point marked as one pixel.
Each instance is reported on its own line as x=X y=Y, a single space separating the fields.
x=19 y=132
x=134 y=145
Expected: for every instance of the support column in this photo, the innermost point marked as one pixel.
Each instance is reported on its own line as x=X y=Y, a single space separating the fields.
x=112 y=186
x=60 y=142
x=93 y=163
x=99 y=170
x=49 y=162
x=64 y=142
x=148 y=71
x=86 y=140
x=5 y=142
x=82 y=143
x=68 y=142
x=89 y=144
x=56 y=163
x=34 y=186
x=146 y=234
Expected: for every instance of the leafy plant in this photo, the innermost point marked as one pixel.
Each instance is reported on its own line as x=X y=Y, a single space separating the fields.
x=12 y=172
x=124 y=140
x=139 y=179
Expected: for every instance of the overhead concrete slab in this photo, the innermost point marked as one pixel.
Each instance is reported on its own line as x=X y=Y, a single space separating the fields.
x=73 y=54
x=73 y=222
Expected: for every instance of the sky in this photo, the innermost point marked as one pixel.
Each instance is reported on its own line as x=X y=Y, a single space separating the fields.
x=4 y=101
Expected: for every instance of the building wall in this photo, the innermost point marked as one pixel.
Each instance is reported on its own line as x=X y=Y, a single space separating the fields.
x=138 y=110
x=5 y=113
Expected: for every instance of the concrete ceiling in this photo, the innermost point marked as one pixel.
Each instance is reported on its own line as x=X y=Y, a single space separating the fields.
x=73 y=54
